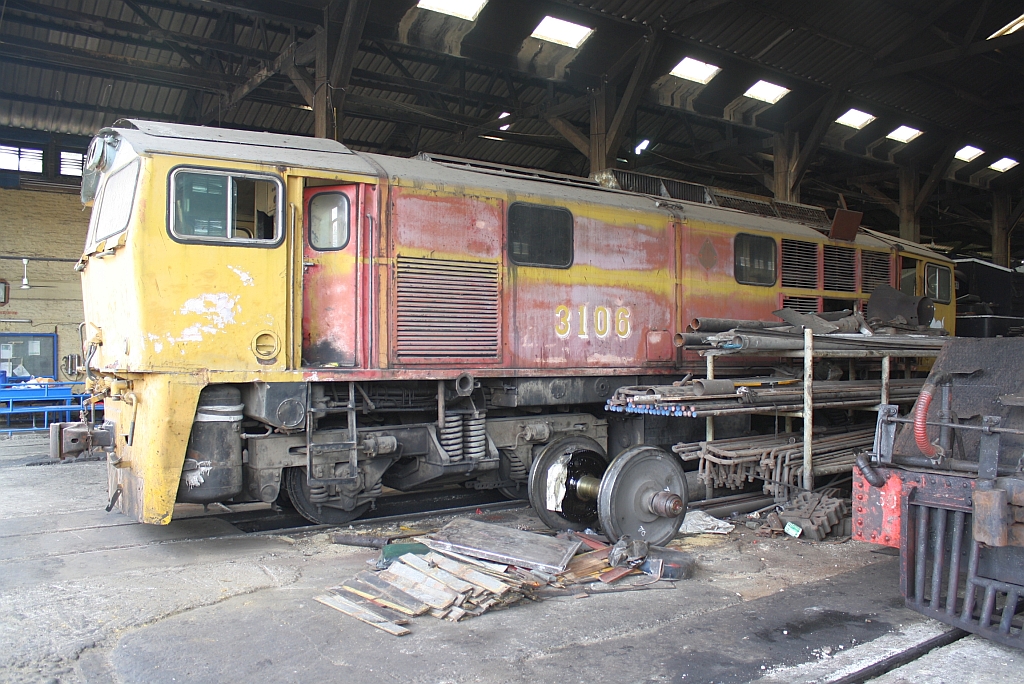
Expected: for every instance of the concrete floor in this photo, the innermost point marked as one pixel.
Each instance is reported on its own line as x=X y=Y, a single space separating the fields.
x=87 y=596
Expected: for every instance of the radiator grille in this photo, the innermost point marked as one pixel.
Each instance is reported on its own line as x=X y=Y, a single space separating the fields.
x=801 y=304
x=875 y=270
x=747 y=204
x=446 y=309
x=840 y=269
x=803 y=213
x=663 y=187
x=799 y=264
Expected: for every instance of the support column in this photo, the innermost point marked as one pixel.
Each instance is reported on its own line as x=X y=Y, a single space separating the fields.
x=1000 y=228
x=601 y=109
x=320 y=88
x=910 y=218
x=784 y=154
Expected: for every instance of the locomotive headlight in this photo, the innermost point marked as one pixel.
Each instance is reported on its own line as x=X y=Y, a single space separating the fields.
x=266 y=345
x=101 y=153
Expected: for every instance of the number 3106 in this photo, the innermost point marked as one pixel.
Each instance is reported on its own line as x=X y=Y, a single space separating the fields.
x=601 y=322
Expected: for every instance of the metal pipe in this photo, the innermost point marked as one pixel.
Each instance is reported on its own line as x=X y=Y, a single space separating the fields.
x=709 y=325
x=808 y=412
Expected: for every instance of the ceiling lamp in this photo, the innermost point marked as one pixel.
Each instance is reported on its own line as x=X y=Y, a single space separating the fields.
x=766 y=92
x=463 y=9
x=968 y=153
x=561 y=32
x=904 y=134
x=695 y=70
x=1004 y=164
x=855 y=119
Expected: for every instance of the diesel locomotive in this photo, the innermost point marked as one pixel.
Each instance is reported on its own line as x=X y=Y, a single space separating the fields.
x=271 y=316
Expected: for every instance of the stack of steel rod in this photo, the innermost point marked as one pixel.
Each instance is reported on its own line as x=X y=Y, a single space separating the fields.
x=756 y=395
x=777 y=460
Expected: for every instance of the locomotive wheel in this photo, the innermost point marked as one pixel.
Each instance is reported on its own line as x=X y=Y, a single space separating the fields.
x=322 y=514
x=563 y=467
x=640 y=495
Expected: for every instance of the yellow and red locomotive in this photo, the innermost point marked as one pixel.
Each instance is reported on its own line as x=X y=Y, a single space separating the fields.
x=269 y=312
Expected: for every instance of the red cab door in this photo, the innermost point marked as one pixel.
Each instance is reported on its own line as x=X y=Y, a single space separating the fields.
x=330 y=276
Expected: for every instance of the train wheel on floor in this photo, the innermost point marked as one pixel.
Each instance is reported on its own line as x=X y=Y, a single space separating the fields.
x=643 y=494
x=563 y=483
x=307 y=502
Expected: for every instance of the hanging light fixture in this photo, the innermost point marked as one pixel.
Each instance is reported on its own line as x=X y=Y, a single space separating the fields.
x=24 y=275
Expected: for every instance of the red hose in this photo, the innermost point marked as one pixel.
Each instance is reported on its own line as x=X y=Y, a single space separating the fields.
x=924 y=400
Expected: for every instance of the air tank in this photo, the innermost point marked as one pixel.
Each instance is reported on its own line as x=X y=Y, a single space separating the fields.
x=213 y=458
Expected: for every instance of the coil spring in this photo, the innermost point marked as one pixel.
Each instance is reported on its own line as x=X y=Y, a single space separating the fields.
x=318 y=494
x=450 y=436
x=516 y=468
x=474 y=437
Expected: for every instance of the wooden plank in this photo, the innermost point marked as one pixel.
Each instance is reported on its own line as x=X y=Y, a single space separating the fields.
x=586 y=565
x=457 y=585
x=614 y=574
x=382 y=589
x=406 y=606
x=387 y=611
x=362 y=614
x=432 y=598
x=414 y=575
x=469 y=574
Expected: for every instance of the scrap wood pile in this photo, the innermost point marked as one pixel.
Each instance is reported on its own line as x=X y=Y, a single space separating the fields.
x=469 y=567
x=775 y=460
x=703 y=398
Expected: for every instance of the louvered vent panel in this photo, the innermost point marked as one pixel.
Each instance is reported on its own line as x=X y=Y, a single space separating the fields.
x=663 y=187
x=747 y=204
x=799 y=264
x=446 y=309
x=840 y=268
x=874 y=267
x=801 y=304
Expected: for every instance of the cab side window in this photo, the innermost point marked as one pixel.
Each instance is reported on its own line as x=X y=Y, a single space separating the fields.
x=232 y=208
x=754 y=259
x=539 y=235
x=328 y=221
x=938 y=283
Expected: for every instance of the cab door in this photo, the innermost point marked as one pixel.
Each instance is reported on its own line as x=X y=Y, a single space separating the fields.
x=330 y=276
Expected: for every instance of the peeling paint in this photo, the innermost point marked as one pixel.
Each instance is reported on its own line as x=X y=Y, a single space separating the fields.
x=246 y=278
x=219 y=308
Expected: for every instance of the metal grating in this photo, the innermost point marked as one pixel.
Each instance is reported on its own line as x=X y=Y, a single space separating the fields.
x=799 y=264
x=801 y=304
x=446 y=309
x=803 y=213
x=840 y=268
x=662 y=187
x=747 y=204
x=875 y=269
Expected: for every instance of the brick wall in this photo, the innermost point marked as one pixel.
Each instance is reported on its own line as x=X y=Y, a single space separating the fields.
x=41 y=226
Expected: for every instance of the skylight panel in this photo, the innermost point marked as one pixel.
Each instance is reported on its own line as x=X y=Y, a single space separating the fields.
x=561 y=32
x=642 y=146
x=766 y=92
x=695 y=70
x=1004 y=164
x=504 y=115
x=463 y=9
x=904 y=134
x=1014 y=26
x=855 y=119
x=968 y=153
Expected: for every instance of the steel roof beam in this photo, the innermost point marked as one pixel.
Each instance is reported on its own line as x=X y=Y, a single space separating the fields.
x=282 y=13
x=14 y=48
x=943 y=56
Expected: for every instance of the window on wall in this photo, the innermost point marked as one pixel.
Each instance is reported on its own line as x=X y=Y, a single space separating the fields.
x=328 y=221
x=938 y=283
x=539 y=235
x=71 y=163
x=211 y=206
x=26 y=159
x=754 y=259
